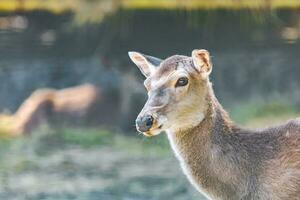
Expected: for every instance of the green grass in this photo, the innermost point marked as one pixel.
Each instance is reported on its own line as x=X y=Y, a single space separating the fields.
x=86 y=138
x=22 y=154
x=48 y=140
x=93 y=138
x=262 y=113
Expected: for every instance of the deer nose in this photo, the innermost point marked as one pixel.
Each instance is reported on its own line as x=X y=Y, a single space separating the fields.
x=144 y=123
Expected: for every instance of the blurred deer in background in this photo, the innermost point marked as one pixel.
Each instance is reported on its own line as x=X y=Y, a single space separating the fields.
x=222 y=160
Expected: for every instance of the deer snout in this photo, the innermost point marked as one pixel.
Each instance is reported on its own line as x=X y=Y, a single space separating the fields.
x=144 y=123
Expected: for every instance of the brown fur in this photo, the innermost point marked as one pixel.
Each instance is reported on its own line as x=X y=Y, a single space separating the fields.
x=228 y=162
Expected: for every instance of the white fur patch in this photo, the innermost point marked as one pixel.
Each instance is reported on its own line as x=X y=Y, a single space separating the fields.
x=183 y=165
x=173 y=75
x=188 y=122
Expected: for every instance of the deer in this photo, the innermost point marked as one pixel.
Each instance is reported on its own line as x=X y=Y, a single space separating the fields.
x=222 y=160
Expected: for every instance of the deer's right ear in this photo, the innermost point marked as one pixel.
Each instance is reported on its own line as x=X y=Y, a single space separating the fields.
x=146 y=64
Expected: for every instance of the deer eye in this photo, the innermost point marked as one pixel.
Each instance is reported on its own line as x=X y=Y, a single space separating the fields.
x=182 y=82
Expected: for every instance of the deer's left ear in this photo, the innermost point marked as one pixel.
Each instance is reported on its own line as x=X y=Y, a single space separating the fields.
x=201 y=61
x=146 y=64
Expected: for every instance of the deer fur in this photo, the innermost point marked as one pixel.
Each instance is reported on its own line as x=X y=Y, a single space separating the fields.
x=222 y=160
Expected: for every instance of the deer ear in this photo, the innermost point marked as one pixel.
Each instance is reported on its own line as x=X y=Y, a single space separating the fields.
x=146 y=64
x=201 y=61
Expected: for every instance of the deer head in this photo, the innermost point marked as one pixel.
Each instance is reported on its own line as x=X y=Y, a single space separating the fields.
x=177 y=89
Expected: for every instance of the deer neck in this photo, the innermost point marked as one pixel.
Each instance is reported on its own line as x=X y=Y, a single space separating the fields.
x=200 y=151
x=215 y=121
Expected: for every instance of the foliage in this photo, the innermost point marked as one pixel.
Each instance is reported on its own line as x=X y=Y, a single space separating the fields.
x=93 y=11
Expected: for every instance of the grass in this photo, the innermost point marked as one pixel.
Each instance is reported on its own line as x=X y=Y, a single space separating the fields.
x=86 y=138
x=22 y=154
x=83 y=157
x=56 y=151
x=45 y=141
x=262 y=113
x=89 y=164
x=90 y=138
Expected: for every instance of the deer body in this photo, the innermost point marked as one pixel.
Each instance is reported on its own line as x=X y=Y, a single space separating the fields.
x=222 y=160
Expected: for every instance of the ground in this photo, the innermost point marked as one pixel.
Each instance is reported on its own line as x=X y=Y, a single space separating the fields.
x=96 y=164
x=59 y=167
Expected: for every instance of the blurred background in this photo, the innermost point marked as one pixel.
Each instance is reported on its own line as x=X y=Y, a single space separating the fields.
x=69 y=94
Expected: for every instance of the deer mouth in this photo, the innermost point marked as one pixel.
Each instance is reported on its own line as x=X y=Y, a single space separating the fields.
x=148 y=134
x=153 y=131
